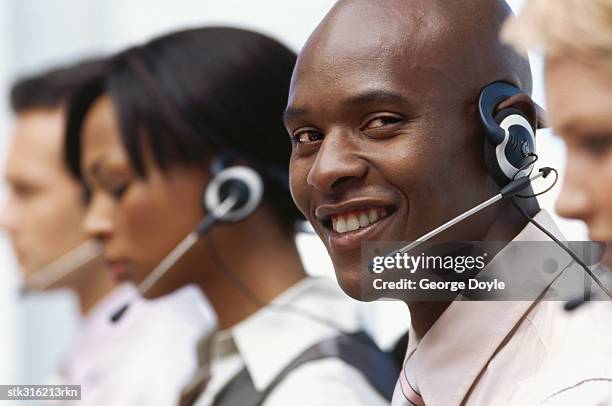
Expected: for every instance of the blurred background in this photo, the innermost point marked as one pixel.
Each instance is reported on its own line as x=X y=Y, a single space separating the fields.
x=37 y=35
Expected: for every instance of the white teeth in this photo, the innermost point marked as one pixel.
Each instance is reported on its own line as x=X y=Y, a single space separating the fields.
x=352 y=223
x=341 y=226
x=373 y=215
x=344 y=224
x=364 y=220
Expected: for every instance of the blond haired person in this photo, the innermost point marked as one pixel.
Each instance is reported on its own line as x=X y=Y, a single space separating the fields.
x=576 y=39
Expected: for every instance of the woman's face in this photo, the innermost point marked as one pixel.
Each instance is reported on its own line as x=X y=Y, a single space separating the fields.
x=579 y=100
x=139 y=220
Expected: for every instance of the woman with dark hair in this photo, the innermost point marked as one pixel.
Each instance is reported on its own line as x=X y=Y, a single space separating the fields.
x=146 y=139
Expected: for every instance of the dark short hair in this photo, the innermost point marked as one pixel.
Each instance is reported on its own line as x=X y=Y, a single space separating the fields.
x=52 y=88
x=192 y=94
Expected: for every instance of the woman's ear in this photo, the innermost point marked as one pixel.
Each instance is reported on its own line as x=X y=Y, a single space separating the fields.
x=524 y=104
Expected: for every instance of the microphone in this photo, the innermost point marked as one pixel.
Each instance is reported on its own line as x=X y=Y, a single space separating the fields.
x=47 y=276
x=574 y=304
x=509 y=190
x=232 y=195
x=588 y=296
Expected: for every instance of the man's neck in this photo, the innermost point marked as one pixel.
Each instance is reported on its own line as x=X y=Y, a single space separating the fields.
x=423 y=315
x=507 y=225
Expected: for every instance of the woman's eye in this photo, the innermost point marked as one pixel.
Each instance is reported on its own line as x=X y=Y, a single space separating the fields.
x=380 y=122
x=307 y=137
x=119 y=191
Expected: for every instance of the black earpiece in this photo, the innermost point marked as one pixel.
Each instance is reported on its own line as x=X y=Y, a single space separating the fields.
x=509 y=137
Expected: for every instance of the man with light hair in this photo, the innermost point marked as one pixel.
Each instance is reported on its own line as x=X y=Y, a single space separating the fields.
x=576 y=38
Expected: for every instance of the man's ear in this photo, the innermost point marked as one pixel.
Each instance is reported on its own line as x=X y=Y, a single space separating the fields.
x=525 y=105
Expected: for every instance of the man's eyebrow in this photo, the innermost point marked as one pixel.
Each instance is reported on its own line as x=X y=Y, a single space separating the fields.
x=571 y=123
x=291 y=112
x=368 y=97
x=373 y=96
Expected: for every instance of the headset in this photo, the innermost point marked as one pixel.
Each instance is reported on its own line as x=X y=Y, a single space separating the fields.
x=509 y=143
x=233 y=193
x=509 y=155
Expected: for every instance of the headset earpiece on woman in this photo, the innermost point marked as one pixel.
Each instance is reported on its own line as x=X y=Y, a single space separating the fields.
x=241 y=186
x=232 y=194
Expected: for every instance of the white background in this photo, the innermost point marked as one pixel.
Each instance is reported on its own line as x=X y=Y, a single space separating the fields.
x=35 y=35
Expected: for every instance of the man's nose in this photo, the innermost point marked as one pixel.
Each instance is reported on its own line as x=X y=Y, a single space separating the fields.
x=7 y=215
x=337 y=163
x=574 y=200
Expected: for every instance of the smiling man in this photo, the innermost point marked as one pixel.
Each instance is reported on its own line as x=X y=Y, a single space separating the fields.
x=387 y=145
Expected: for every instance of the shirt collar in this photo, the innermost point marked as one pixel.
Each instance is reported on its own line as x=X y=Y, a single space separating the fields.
x=117 y=297
x=186 y=309
x=187 y=303
x=271 y=338
x=457 y=348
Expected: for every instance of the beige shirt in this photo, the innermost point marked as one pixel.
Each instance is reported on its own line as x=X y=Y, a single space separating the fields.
x=269 y=340
x=517 y=352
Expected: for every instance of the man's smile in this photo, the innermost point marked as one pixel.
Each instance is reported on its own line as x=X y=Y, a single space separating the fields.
x=349 y=223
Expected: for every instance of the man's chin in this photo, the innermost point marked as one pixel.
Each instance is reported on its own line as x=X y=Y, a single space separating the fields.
x=355 y=284
x=28 y=270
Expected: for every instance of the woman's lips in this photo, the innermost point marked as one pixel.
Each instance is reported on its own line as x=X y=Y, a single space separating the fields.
x=119 y=269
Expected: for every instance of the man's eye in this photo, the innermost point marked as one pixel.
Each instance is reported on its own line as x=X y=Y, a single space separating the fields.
x=598 y=145
x=381 y=121
x=24 y=191
x=307 y=137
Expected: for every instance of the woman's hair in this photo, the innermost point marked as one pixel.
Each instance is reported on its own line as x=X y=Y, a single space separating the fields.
x=581 y=29
x=192 y=94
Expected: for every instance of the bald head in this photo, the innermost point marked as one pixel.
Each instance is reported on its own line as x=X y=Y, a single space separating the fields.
x=384 y=123
x=457 y=38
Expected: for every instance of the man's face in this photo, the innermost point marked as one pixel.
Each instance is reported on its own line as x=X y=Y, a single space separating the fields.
x=579 y=99
x=385 y=143
x=45 y=207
